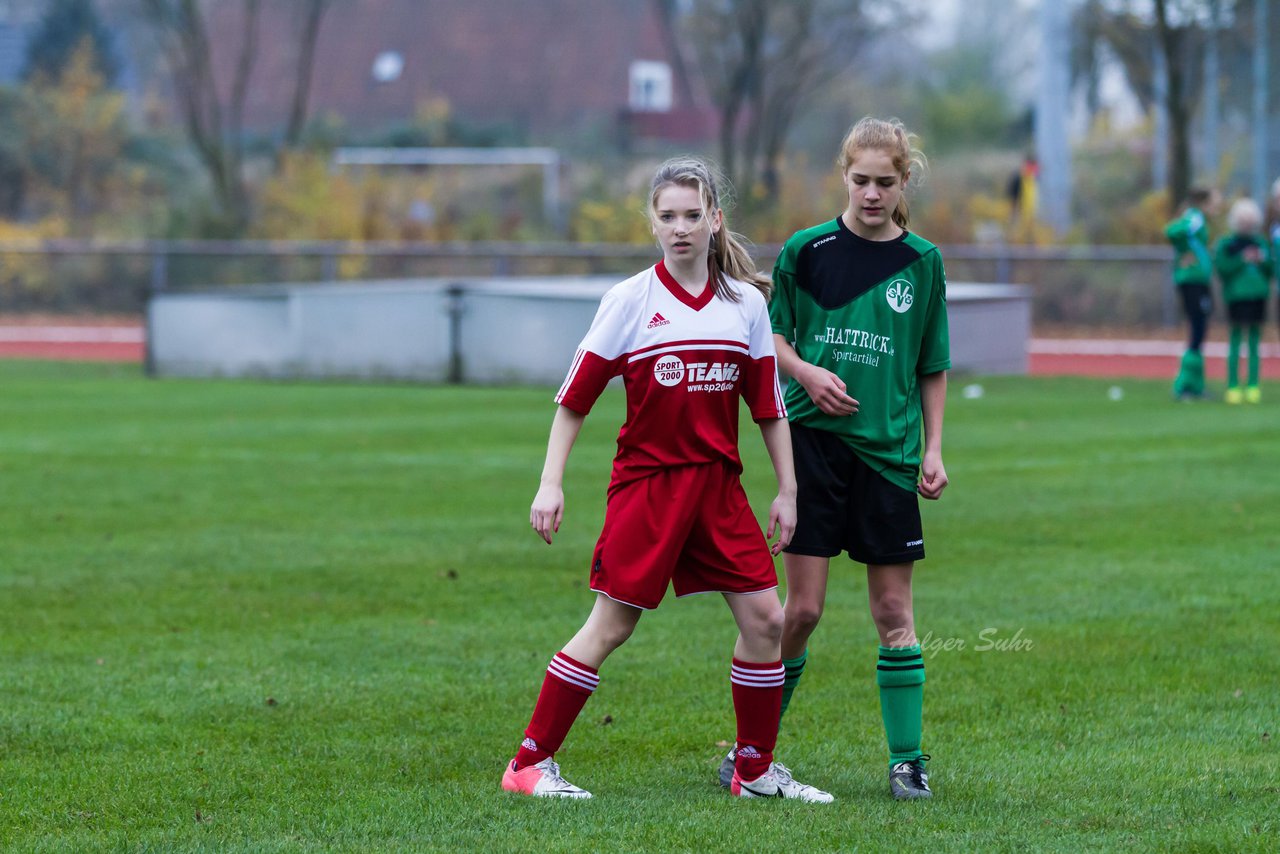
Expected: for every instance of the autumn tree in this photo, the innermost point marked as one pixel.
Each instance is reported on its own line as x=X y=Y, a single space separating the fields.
x=72 y=139
x=64 y=28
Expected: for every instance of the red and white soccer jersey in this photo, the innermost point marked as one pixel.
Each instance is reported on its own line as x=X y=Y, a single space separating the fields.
x=684 y=361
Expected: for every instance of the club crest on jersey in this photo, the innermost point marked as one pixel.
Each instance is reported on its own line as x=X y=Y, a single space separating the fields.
x=657 y=320
x=900 y=295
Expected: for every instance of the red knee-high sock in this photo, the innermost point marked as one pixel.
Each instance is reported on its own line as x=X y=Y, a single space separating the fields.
x=757 y=702
x=565 y=690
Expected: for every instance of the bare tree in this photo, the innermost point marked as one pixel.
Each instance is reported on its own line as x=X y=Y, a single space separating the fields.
x=215 y=131
x=1177 y=31
x=214 y=124
x=765 y=62
x=313 y=15
x=1171 y=40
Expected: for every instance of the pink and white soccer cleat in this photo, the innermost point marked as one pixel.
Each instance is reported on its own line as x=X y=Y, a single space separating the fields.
x=542 y=780
x=777 y=782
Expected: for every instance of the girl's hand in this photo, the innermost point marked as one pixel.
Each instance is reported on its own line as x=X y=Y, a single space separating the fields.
x=782 y=516
x=547 y=511
x=828 y=391
x=933 y=477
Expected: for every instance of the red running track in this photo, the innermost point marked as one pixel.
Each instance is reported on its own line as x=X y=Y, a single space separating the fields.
x=1047 y=356
x=1141 y=359
x=76 y=342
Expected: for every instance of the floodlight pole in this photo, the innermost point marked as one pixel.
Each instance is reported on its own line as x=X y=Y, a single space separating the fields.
x=1053 y=148
x=1160 y=106
x=1209 y=156
x=1260 y=92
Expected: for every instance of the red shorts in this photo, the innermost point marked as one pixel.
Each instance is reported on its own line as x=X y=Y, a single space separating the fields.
x=690 y=526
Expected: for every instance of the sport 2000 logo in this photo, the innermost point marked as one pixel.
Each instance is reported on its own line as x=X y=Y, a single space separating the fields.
x=669 y=370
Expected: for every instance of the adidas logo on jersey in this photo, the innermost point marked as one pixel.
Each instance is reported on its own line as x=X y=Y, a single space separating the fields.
x=657 y=320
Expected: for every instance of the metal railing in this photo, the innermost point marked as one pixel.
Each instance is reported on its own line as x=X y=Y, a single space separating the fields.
x=1123 y=285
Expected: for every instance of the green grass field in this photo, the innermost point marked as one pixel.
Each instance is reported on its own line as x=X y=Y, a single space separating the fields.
x=277 y=617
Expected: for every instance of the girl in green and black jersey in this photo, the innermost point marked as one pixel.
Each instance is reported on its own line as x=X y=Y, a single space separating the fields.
x=859 y=318
x=1192 y=275
x=1244 y=263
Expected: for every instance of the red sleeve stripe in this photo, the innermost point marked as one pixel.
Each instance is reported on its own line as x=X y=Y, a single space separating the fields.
x=573 y=372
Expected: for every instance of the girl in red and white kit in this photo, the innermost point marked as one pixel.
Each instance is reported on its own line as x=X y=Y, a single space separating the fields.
x=690 y=336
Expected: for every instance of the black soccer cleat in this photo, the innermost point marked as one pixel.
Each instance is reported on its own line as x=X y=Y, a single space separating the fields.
x=726 y=768
x=908 y=780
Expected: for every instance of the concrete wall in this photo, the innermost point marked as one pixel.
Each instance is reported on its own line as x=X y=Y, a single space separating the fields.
x=990 y=327
x=520 y=331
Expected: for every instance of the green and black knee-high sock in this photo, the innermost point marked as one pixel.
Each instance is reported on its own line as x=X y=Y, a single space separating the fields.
x=1233 y=357
x=794 y=668
x=1255 y=337
x=900 y=675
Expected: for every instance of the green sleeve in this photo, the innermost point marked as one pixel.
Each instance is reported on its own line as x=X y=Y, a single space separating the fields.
x=935 y=344
x=782 y=307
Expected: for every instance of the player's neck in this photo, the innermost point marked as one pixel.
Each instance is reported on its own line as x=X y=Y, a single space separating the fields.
x=889 y=230
x=689 y=273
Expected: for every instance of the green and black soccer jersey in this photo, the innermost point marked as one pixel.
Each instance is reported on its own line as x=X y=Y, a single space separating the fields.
x=1189 y=235
x=875 y=314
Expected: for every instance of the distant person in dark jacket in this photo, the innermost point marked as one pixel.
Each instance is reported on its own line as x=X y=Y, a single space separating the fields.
x=1192 y=274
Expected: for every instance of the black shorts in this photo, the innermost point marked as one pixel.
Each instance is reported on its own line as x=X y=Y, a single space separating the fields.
x=842 y=504
x=1247 y=312
x=1197 y=300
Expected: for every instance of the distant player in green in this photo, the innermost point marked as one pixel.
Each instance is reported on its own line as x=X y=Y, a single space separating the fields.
x=859 y=318
x=1192 y=274
x=1244 y=264
x=1273 y=228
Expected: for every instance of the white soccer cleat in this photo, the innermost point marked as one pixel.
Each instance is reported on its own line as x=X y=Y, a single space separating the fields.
x=777 y=782
x=542 y=781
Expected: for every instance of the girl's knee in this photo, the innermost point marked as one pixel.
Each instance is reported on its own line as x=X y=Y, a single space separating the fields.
x=614 y=636
x=891 y=609
x=803 y=616
x=765 y=624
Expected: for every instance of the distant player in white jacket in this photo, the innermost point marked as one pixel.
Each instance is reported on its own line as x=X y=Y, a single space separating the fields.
x=690 y=337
